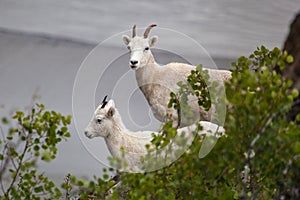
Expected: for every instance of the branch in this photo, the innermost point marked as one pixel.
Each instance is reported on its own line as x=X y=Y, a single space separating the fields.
x=18 y=170
x=2 y=133
x=178 y=113
x=68 y=188
x=268 y=122
x=250 y=153
x=116 y=184
x=290 y=162
x=284 y=173
x=4 y=165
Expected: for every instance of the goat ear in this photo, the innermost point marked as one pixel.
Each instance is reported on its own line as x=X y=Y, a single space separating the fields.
x=111 y=103
x=126 y=39
x=110 y=112
x=153 y=40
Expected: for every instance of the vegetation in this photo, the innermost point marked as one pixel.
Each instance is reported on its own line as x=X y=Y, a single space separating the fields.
x=30 y=138
x=258 y=158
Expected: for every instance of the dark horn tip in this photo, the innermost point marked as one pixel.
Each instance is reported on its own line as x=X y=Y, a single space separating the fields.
x=105 y=98
x=104 y=102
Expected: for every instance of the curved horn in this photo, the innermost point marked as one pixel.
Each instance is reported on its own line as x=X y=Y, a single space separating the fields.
x=148 y=30
x=104 y=102
x=133 y=31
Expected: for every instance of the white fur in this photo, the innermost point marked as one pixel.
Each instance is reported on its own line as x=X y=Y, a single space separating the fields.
x=157 y=81
x=106 y=122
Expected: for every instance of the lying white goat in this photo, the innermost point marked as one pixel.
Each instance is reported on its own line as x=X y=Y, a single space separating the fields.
x=157 y=81
x=106 y=122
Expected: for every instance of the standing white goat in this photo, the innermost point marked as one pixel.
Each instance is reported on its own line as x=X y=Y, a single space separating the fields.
x=106 y=122
x=157 y=81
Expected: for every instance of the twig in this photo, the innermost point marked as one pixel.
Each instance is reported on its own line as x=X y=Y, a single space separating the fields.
x=249 y=154
x=13 y=163
x=250 y=151
x=262 y=131
x=68 y=190
x=2 y=133
x=178 y=112
x=117 y=180
x=285 y=172
x=17 y=170
x=290 y=162
x=4 y=165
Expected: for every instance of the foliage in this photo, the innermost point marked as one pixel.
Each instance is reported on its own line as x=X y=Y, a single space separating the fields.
x=259 y=157
x=31 y=137
x=259 y=102
x=195 y=85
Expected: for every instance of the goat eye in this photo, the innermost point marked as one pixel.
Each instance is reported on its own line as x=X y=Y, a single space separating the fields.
x=128 y=47
x=99 y=121
x=147 y=48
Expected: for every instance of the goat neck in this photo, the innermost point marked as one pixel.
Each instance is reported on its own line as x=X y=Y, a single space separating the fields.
x=118 y=127
x=145 y=75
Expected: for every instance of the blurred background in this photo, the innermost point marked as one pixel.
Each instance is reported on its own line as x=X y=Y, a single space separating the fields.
x=43 y=43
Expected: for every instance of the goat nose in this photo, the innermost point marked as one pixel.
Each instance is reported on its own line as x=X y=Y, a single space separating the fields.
x=133 y=62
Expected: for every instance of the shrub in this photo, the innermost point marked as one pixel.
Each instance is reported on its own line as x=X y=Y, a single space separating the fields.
x=30 y=138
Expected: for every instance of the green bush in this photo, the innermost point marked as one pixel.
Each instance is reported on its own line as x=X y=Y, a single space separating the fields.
x=257 y=159
x=30 y=138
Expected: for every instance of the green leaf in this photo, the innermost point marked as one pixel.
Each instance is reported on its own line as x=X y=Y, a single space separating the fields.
x=199 y=68
x=295 y=93
x=5 y=120
x=289 y=59
x=298 y=117
x=296 y=147
x=38 y=189
x=67 y=134
x=36 y=148
x=46 y=156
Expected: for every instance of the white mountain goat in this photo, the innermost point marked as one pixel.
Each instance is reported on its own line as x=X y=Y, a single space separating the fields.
x=106 y=122
x=157 y=81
